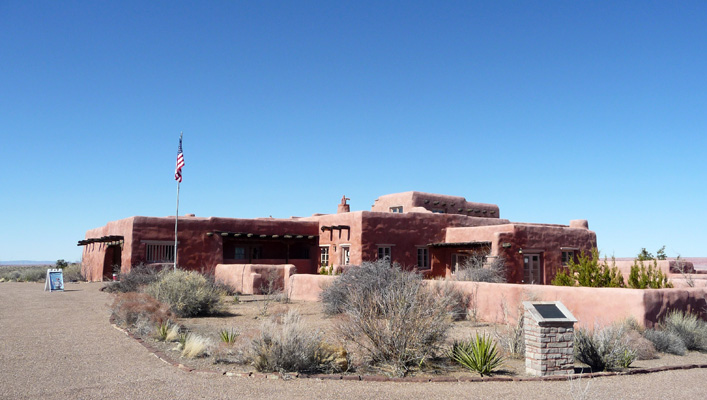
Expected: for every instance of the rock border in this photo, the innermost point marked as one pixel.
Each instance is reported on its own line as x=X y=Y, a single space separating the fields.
x=382 y=378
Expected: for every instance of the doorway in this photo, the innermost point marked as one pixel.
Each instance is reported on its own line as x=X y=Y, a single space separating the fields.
x=113 y=258
x=532 y=274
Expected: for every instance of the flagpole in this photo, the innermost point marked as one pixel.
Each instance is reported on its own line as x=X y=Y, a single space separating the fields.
x=176 y=221
x=176 y=216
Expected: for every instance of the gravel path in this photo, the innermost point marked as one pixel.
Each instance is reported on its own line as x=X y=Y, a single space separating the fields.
x=61 y=346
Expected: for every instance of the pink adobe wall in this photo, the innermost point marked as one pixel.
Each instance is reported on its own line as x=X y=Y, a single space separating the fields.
x=94 y=254
x=548 y=240
x=197 y=250
x=338 y=237
x=250 y=278
x=405 y=231
x=665 y=266
x=449 y=204
x=308 y=287
x=409 y=231
x=589 y=305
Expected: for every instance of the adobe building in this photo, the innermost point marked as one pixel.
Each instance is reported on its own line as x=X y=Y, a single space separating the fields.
x=428 y=232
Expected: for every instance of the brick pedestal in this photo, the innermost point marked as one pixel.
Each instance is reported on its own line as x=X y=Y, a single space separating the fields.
x=549 y=343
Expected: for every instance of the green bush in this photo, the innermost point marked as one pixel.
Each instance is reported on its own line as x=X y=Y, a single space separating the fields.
x=604 y=348
x=187 y=293
x=688 y=327
x=588 y=271
x=651 y=277
x=478 y=354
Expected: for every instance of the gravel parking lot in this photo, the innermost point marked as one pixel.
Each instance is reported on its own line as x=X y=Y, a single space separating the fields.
x=61 y=345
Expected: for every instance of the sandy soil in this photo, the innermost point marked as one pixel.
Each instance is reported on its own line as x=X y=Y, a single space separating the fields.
x=247 y=316
x=61 y=346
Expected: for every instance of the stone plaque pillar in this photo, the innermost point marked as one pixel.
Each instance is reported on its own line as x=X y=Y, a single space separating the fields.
x=549 y=338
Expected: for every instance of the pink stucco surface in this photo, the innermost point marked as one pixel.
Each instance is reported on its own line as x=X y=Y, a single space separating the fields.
x=415 y=201
x=308 y=287
x=251 y=278
x=591 y=306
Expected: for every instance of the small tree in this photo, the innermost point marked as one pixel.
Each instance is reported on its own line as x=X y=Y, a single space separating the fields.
x=660 y=254
x=650 y=277
x=61 y=264
x=587 y=271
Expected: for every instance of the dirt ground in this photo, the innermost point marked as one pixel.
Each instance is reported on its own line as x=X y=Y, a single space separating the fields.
x=246 y=317
x=61 y=346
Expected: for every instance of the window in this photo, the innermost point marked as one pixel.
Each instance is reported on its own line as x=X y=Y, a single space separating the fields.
x=458 y=261
x=396 y=209
x=239 y=253
x=423 y=258
x=324 y=255
x=437 y=211
x=567 y=255
x=159 y=252
x=256 y=253
x=384 y=253
x=345 y=255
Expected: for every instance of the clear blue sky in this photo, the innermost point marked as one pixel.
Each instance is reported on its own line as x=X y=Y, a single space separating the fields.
x=554 y=110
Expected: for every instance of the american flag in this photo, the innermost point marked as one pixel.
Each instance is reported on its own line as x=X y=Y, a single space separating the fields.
x=180 y=162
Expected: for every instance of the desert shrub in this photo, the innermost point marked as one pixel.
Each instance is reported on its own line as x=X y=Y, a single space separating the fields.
x=477 y=354
x=287 y=345
x=136 y=280
x=650 y=277
x=688 y=327
x=22 y=273
x=367 y=278
x=33 y=274
x=72 y=273
x=588 y=271
x=666 y=342
x=478 y=268
x=603 y=348
x=511 y=336
x=188 y=293
x=195 y=346
x=640 y=346
x=396 y=320
x=139 y=311
x=453 y=300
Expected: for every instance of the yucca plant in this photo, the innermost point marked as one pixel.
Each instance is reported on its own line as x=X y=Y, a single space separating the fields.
x=228 y=336
x=163 y=330
x=478 y=354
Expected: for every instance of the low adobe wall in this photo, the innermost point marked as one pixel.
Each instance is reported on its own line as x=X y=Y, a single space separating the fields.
x=250 y=278
x=589 y=305
x=308 y=287
x=668 y=267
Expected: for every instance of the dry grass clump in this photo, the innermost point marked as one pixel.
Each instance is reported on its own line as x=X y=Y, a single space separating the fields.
x=288 y=345
x=139 y=312
x=195 y=346
x=188 y=293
